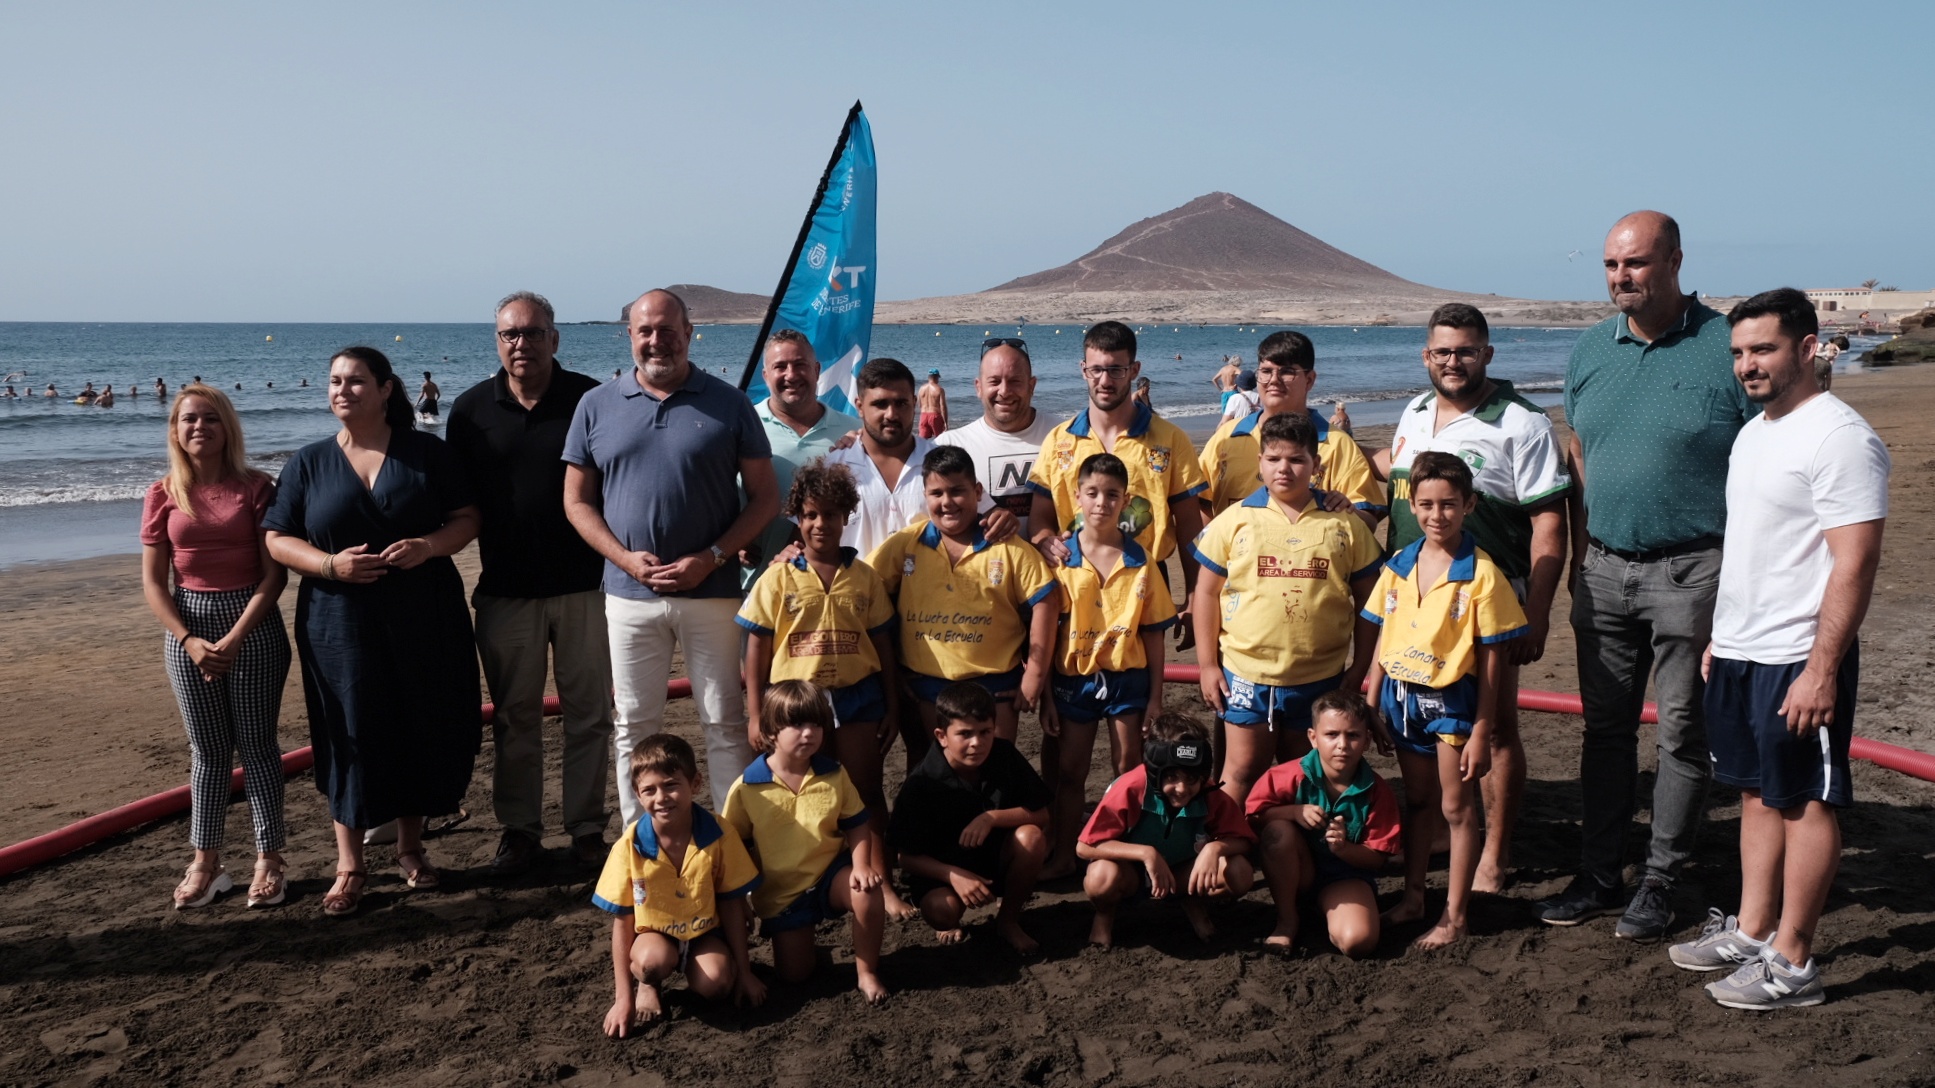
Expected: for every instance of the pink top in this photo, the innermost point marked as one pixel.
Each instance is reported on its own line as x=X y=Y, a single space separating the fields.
x=220 y=548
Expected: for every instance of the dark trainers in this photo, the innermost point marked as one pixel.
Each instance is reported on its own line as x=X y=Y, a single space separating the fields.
x=1649 y=915
x=588 y=851
x=516 y=853
x=1720 y=946
x=1584 y=898
x=1768 y=981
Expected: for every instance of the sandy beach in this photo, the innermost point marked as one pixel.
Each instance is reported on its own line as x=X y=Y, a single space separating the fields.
x=101 y=983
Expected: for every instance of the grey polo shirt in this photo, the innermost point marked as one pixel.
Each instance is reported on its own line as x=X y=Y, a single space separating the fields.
x=1657 y=423
x=670 y=470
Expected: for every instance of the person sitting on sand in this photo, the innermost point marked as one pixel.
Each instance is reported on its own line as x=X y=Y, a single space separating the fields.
x=1162 y=818
x=678 y=884
x=807 y=825
x=1444 y=608
x=106 y=399
x=208 y=577
x=969 y=820
x=1326 y=826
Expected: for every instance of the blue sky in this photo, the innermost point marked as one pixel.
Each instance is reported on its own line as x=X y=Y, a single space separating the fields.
x=352 y=162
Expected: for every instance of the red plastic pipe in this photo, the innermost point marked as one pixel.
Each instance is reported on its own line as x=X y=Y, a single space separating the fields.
x=44 y=848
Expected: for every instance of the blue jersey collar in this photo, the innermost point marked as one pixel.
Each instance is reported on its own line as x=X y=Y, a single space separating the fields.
x=931 y=537
x=846 y=558
x=705 y=832
x=1251 y=422
x=1464 y=565
x=760 y=773
x=1260 y=499
x=1138 y=426
x=1132 y=553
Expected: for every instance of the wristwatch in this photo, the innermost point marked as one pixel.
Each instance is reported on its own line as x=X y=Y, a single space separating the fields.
x=718 y=556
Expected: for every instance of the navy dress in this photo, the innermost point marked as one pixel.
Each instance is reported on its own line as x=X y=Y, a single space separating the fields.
x=389 y=669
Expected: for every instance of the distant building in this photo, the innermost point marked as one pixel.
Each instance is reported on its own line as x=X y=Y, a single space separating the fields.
x=1876 y=302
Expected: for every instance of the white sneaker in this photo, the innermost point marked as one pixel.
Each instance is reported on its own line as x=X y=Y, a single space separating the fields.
x=1769 y=982
x=1720 y=945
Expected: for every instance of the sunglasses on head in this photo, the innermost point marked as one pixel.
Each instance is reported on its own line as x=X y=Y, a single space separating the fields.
x=1014 y=342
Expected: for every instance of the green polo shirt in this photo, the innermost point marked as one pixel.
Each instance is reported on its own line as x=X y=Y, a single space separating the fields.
x=791 y=451
x=1657 y=422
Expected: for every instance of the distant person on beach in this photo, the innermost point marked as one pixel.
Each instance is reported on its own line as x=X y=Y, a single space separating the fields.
x=106 y=399
x=1164 y=475
x=1654 y=406
x=539 y=607
x=1286 y=371
x=1807 y=498
x=1244 y=400
x=798 y=426
x=1225 y=377
x=655 y=463
x=427 y=396
x=371 y=517
x=933 y=406
x=1520 y=475
x=886 y=461
x=1006 y=439
x=1141 y=393
x=208 y=577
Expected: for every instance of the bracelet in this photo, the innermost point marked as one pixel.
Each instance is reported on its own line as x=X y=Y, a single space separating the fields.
x=328 y=568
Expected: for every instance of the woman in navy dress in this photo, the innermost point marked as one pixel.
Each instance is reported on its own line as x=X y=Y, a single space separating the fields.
x=370 y=518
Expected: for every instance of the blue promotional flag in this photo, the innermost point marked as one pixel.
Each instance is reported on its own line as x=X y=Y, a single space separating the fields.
x=826 y=291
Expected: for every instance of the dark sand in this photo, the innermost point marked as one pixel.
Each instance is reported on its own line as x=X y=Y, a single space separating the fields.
x=100 y=982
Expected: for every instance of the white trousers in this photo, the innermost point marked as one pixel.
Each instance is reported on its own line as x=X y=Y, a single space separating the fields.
x=643 y=635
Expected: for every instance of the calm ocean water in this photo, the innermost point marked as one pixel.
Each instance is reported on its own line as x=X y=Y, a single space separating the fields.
x=71 y=471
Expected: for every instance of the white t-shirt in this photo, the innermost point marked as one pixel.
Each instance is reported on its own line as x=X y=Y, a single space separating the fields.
x=1002 y=461
x=1789 y=480
x=885 y=507
x=1239 y=404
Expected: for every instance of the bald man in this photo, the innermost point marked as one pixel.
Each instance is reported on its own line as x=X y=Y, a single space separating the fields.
x=1654 y=406
x=654 y=464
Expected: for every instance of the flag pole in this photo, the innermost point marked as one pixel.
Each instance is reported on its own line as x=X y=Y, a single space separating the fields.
x=792 y=261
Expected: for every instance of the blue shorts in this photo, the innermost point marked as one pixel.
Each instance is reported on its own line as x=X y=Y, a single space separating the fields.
x=863 y=701
x=1285 y=708
x=1420 y=717
x=1001 y=685
x=1752 y=748
x=1106 y=694
x=1330 y=869
x=814 y=905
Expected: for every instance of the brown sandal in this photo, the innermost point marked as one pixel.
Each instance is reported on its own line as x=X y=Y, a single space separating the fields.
x=339 y=904
x=422 y=876
x=269 y=887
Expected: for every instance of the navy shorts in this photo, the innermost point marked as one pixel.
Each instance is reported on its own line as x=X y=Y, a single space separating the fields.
x=1329 y=869
x=864 y=701
x=1750 y=743
x=814 y=905
x=1001 y=685
x=1420 y=717
x=1104 y=695
x=1285 y=708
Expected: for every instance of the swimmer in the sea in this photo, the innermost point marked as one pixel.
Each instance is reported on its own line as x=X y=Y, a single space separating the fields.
x=106 y=399
x=50 y=391
x=86 y=395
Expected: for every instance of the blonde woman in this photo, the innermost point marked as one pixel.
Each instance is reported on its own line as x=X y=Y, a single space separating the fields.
x=370 y=518
x=208 y=577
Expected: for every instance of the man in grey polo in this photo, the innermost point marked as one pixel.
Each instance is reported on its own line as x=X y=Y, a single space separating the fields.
x=1654 y=407
x=655 y=461
x=798 y=426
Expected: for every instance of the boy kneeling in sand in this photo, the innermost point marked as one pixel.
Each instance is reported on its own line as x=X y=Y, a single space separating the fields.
x=1327 y=824
x=805 y=821
x=1161 y=818
x=968 y=821
x=678 y=883
x=1444 y=608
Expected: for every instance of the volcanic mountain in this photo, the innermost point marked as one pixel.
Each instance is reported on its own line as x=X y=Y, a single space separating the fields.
x=1218 y=242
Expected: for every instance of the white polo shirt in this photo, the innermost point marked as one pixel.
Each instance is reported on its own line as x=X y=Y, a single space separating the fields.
x=1002 y=462
x=886 y=507
x=1515 y=465
x=1790 y=480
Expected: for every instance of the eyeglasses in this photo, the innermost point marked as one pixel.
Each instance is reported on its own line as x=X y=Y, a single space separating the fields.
x=512 y=336
x=1281 y=374
x=1463 y=355
x=1014 y=342
x=1093 y=372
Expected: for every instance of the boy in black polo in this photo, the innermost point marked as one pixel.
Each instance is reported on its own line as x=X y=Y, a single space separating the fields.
x=969 y=821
